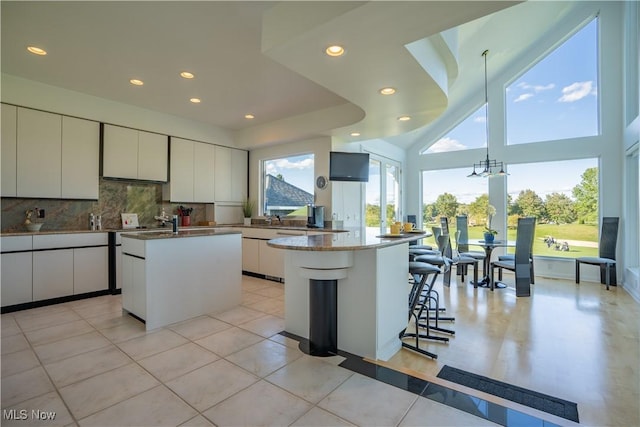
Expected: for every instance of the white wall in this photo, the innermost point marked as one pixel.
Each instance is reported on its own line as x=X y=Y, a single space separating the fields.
x=28 y=93
x=608 y=146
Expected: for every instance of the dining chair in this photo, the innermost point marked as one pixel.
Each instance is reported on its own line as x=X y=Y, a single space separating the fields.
x=462 y=242
x=606 y=258
x=508 y=257
x=520 y=264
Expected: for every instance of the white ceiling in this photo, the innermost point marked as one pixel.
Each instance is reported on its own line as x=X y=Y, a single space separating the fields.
x=266 y=58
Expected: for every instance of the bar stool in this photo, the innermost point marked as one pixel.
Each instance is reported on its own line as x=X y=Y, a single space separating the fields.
x=420 y=271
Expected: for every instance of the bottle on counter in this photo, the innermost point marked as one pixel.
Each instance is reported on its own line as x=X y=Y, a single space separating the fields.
x=92 y=222
x=174 y=221
x=99 y=222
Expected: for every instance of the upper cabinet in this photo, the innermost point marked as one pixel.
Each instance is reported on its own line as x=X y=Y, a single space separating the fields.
x=133 y=154
x=9 y=124
x=230 y=175
x=48 y=155
x=80 y=158
x=191 y=172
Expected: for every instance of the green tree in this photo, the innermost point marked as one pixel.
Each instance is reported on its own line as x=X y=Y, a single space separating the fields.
x=478 y=209
x=560 y=209
x=447 y=205
x=529 y=203
x=372 y=215
x=586 y=196
x=280 y=177
x=428 y=212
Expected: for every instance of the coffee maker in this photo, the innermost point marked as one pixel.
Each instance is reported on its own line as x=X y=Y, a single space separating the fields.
x=315 y=216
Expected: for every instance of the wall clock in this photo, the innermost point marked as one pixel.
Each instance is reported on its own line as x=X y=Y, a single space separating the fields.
x=321 y=182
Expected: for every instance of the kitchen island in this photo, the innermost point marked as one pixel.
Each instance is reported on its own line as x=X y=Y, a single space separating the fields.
x=167 y=277
x=360 y=276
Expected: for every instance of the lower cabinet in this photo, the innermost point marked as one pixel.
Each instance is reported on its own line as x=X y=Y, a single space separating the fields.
x=133 y=285
x=17 y=278
x=90 y=270
x=251 y=255
x=271 y=260
x=52 y=274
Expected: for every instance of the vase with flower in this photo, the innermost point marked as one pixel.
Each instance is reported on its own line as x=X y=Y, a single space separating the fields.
x=490 y=233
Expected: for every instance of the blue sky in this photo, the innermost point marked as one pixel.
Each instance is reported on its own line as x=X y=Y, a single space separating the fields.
x=555 y=99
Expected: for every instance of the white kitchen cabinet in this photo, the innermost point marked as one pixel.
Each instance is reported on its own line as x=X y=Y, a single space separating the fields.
x=153 y=156
x=251 y=255
x=134 y=285
x=271 y=260
x=90 y=270
x=192 y=172
x=38 y=154
x=132 y=154
x=230 y=175
x=223 y=174
x=52 y=274
x=120 y=152
x=180 y=184
x=80 y=158
x=16 y=278
x=238 y=176
x=118 y=267
x=9 y=133
x=204 y=172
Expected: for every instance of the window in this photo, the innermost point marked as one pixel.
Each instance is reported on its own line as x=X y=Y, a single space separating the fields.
x=382 y=194
x=287 y=185
x=558 y=97
x=470 y=133
x=563 y=196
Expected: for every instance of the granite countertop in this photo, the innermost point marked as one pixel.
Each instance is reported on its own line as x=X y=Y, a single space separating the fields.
x=168 y=234
x=352 y=240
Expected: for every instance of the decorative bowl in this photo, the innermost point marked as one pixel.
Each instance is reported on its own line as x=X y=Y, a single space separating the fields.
x=34 y=226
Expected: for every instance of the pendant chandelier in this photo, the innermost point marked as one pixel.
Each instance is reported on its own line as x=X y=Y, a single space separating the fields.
x=487 y=167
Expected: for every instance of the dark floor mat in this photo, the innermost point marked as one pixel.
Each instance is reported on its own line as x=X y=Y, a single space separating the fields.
x=542 y=402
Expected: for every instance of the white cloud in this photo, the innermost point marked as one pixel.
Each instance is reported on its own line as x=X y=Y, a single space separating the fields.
x=523 y=97
x=446 y=144
x=536 y=88
x=576 y=91
x=480 y=119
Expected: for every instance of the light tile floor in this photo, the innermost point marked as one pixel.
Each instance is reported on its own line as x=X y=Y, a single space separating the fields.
x=90 y=365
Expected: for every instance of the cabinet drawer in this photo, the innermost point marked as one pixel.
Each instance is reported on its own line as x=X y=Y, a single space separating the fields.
x=16 y=243
x=54 y=241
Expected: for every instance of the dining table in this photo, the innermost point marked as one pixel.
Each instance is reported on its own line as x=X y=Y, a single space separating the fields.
x=488 y=247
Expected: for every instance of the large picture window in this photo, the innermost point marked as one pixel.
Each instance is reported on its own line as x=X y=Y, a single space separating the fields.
x=558 y=97
x=468 y=134
x=287 y=185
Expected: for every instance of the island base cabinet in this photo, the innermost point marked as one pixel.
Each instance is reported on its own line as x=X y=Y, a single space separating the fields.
x=52 y=274
x=133 y=286
x=251 y=255
x=271 y=260
x=16 y=278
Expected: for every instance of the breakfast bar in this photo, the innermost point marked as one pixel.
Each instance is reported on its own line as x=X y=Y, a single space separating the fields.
x=360 y=276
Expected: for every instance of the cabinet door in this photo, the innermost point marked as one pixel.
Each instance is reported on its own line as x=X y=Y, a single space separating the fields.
x=153 y=156
x=204 y=173
x=223 y=174
x=120 y=152
x=39 y=154
x=181 y=179
x=134 y=298
x=238 y=175
x=90 y=270
x=118 y=267
x=251 y=255
x=16 y=278
x=127 y=281
x=271 y=260
x=9 y=123
x=52 y=274
x=80 y=158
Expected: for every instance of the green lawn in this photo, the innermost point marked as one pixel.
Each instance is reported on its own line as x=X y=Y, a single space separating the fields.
x=570 y=232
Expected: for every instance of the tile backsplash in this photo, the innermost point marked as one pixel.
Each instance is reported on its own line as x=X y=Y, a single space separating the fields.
x=115 y=197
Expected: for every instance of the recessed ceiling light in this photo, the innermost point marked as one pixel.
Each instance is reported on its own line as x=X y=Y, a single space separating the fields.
x=186 y=75
x=136 y=82
x=387 y=91
x=195 y=100
x=355 y=133
x=335 y=50
x=404 y=118
x=249 y=116
x=36 y=50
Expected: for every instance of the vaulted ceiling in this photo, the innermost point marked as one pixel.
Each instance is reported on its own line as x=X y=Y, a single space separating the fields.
x=267 y=59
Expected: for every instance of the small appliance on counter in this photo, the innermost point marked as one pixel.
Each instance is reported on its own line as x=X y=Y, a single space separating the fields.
x=130 y=220
x=315 y=216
